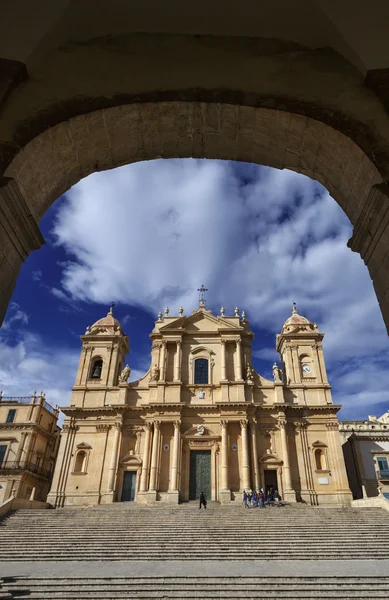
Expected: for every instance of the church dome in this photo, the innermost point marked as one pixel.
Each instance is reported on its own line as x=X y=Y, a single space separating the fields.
x=107 y=324
x=296 y=321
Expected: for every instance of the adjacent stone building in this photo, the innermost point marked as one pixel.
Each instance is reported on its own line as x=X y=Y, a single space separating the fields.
x=366 y=452
x=201 y=419
x=29 y=441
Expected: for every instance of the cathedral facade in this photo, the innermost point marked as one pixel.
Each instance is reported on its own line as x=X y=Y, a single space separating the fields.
x=201 y=419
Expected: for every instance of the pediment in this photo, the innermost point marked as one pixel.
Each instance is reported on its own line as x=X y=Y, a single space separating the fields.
x=131 y=459
x=204 y=321
x=270 y=459
x=200 y=431
x=319 y=444
x=83 y=446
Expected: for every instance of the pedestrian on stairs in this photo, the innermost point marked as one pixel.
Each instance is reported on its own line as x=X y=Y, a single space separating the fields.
x=203 y=501
x=245 y=499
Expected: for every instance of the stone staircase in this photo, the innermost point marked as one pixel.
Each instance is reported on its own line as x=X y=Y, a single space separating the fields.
x=126 y=531
x=191 y=588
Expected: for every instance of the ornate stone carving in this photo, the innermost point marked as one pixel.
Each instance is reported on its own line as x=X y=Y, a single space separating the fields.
x=200 y=430
x=332 y=425
x=249 y=373
x=102 y=428
x=125 y=374
x=277 y=373
x=155 y=373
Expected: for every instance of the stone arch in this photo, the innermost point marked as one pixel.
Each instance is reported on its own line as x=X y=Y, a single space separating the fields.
x=62 y=155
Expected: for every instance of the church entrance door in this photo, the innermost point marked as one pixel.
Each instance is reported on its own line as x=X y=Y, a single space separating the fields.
x=200 y=474
x=270 y=479
x=129 y=486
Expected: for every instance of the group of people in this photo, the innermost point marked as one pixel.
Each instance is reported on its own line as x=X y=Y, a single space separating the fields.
x=258 y=499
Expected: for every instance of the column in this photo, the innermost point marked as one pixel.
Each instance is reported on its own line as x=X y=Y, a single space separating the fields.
x=224 y=457
x=154 y=456
x=289 y=492
x=339 y=469
x=146 y=457
x=177 y=364
x=21 y=447
x=162 y=366
x=114 y=457
x=245 y=457
x=238 y=364
x=176 y=456
x=253 y=428
x=296 y=364
x=224 y=365
x=319 y=350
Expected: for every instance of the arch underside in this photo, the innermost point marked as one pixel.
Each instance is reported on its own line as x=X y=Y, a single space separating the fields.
x=107 y=138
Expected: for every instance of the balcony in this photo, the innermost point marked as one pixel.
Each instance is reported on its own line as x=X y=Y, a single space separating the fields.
x=383 y=474
x=12 y=467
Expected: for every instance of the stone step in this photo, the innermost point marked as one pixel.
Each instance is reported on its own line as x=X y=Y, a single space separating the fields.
x=195 y=588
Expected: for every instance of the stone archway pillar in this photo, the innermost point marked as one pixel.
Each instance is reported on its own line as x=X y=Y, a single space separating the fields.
x=19 y=235
x=371 y=240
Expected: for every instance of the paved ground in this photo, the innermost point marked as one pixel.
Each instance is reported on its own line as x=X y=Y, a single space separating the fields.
x=293 y=568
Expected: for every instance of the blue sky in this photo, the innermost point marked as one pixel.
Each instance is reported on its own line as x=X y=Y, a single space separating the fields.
x=148 y=235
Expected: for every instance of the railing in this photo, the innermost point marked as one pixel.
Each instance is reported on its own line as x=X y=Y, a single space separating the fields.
x=48 y=407
x=28 y=400
x=383 y=474
x=24 y=466
x=19 y=399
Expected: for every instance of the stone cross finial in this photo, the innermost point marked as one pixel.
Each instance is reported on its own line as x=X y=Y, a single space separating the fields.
x=202 y=290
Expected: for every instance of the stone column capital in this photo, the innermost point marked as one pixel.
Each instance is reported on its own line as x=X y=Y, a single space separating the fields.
x=157 y=425
x=243 y=423
x=177 y=424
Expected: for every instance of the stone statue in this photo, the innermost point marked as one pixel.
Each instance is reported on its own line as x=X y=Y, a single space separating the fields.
x=124 y=375
x=249 y=373
x=277 y=373
x=155 y=373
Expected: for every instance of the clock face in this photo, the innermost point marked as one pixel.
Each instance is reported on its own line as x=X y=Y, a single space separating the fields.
x=306 y=369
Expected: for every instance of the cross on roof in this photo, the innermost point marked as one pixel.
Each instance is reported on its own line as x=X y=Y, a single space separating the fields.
x=202 y=291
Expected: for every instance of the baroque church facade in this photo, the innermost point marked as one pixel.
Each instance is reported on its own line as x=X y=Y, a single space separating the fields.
x=201 y=419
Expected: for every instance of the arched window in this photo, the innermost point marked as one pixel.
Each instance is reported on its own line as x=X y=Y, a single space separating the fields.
x=96 y=369
x=320 y=460
x=201 y=371
x=80 y=464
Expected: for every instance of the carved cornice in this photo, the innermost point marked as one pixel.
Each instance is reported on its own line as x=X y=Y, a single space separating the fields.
x=332 y=425
x=102 y=427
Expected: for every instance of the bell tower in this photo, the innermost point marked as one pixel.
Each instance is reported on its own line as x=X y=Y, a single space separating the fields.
x=301 y=351
x=104 y=347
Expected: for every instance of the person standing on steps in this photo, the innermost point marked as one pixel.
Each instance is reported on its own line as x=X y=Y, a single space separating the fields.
x=203 y=501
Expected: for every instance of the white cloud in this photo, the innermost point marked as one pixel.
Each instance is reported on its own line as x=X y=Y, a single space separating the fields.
x=30 y=366
x=36 y=275
x=14 y=316
x=151 y=233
